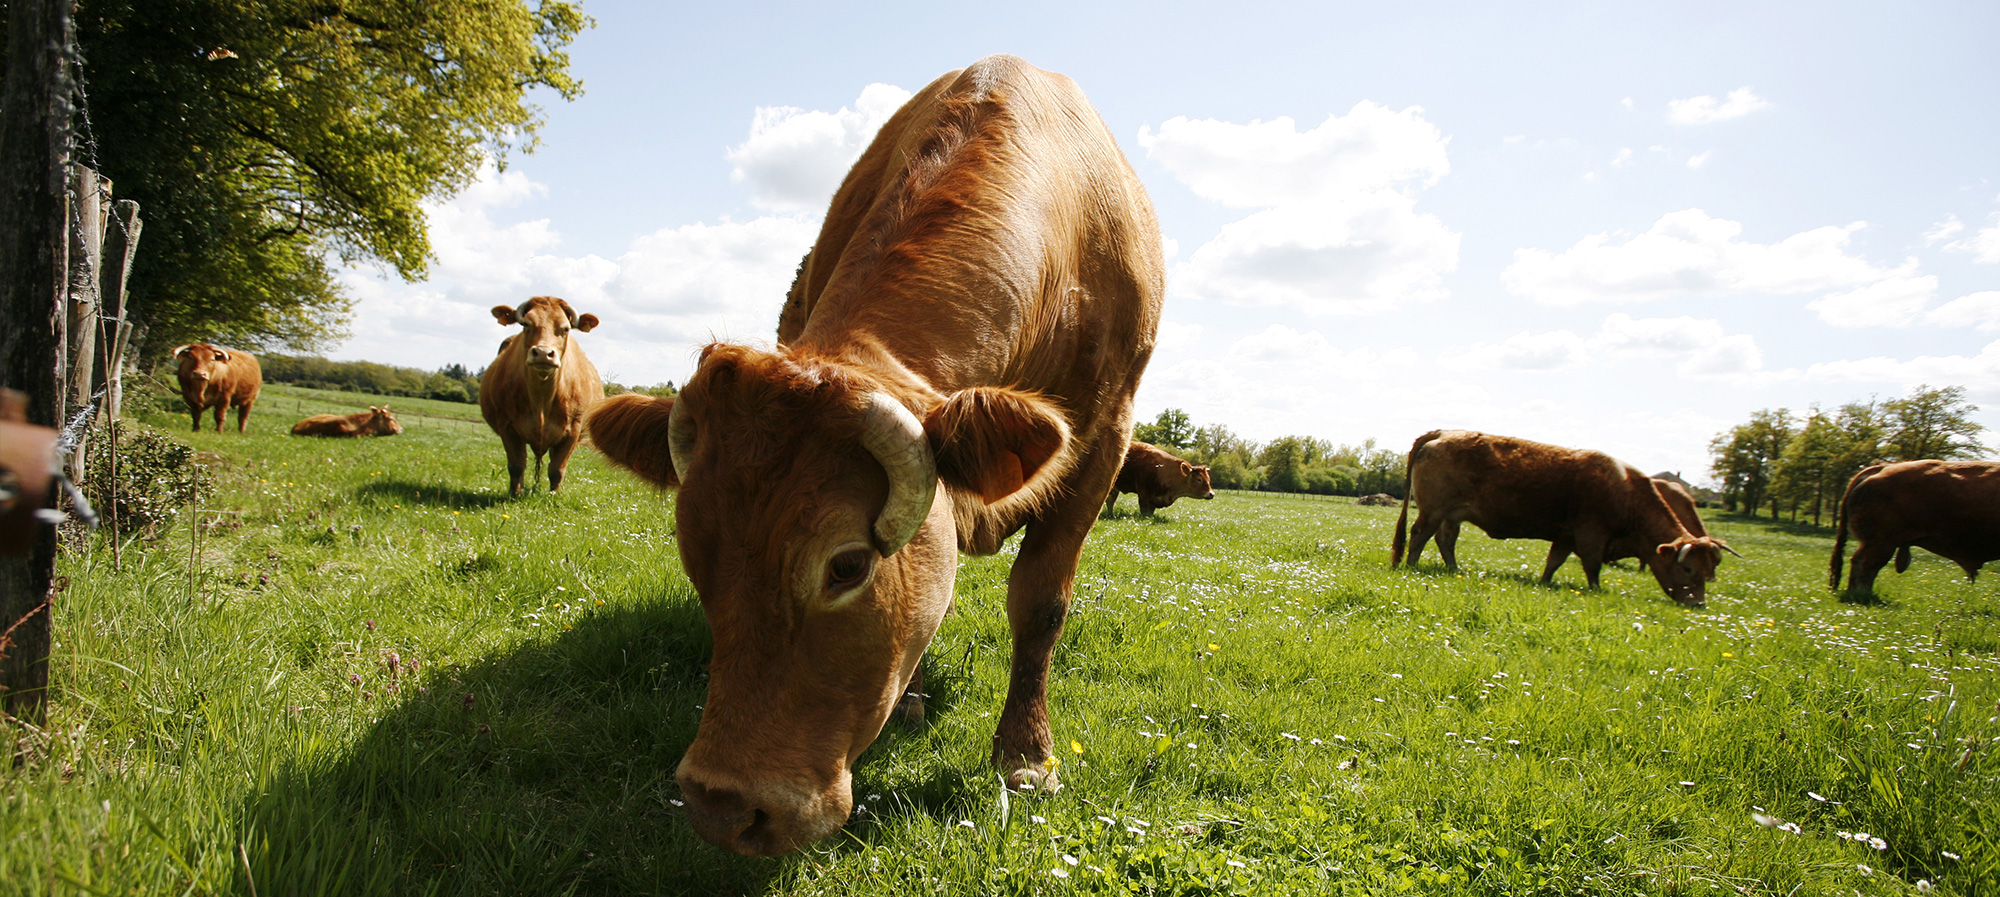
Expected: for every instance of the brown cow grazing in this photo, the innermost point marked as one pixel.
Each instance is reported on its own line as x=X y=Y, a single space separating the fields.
x=218 y=378
x=1581 y=501
x=376 y=421
x=1948 y=508
x=957 y=362
x=1678 y=499
x=1158 y=478
x=536 y=393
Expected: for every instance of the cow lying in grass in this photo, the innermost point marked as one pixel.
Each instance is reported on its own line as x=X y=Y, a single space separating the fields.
x=1581 y=501
x=1948 y=508
x=376 y=421
x=1158 y=478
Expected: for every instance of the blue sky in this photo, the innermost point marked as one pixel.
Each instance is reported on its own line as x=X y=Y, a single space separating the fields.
x=1617 y=228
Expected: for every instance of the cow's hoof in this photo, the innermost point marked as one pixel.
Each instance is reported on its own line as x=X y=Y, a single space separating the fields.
x=911 y=708
x=1034 y=779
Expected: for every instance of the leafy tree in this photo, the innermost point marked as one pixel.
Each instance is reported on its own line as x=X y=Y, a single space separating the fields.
x=1284 y=461
x=266 y=138
x=1808 y=469
x=1172 y=428
x=1745 y=458
x=1931 y=423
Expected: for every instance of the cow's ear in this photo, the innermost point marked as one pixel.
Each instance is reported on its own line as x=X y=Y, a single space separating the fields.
x=182 y=350
x=993 y=441
x=505 y=315
x=631 y=430
x=1187 y=469
x=586 y=323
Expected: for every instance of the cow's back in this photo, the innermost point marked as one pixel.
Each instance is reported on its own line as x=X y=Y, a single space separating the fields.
x=992 y=235
x=1514 y=488
x=1952 y=505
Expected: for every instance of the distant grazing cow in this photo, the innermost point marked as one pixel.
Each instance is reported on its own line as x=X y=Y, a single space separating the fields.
x=376 y=421
x=536 y=393
x=1581 y=501
x=1678 y=499
x=956 y=362
x=1948 y=508
x=218 y=378
x=1158 y=478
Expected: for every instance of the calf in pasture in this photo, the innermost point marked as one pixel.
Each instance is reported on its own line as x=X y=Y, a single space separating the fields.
x=1948 y=508
x=956 y=362
x=376 y=421
x=1581 y=501
x=1158 y=478
x=218 y=378
x=536 y=393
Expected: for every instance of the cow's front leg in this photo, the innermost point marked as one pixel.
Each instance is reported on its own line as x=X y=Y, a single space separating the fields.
x=242 y=416
x=1559 y=552
x=559 y=461
x=1591 y=556
x=220 y=410
x=1869 y=559
x=517 y=461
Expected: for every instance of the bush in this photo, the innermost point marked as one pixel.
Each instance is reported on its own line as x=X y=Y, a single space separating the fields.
x=155 y=479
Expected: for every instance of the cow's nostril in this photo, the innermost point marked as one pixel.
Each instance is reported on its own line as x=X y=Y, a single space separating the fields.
x=756 y=838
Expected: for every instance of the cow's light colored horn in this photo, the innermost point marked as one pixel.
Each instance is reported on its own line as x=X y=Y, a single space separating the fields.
x=896 y=438
x=1685 y=548
x=680 y=438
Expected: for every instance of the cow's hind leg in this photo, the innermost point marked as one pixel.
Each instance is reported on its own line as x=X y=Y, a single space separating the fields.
x=1038 y=596
x=220 y=410
x=1559 y=552
x=1447 y=536
x=242 y=415
x=1420 y=533
x=1869 y=559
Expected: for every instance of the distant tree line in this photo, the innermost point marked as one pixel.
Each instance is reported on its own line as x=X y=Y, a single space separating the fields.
x=1801 y=465
x=451 y=383
x=1286 y=464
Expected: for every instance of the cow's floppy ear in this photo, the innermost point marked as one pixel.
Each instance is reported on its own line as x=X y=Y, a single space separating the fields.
x=586 y=323
x=993 y=441
x=1187 y=469
x=631 y=430
x=505 y=315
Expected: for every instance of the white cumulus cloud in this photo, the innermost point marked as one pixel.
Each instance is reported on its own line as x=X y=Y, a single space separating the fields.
x=1704 y=109
x=1984 y=244
x=795 y=158
x=1979 y=374
x=1336 y=231
x=1698 y=347
x=1691 y=253
x=1979 y=311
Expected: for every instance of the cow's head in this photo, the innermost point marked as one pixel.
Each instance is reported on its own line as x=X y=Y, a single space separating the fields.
x=201 y=361
x=1685 y=566
x=810 y=522
x=382 y=422
x=1197 y=480
x=545 y=325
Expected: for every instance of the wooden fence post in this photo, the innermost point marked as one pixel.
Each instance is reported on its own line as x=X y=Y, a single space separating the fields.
x=34 y=158
x=120 y=242
x=89 y=195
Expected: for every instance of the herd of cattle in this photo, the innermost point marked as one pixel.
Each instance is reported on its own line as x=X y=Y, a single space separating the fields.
x=955 y=363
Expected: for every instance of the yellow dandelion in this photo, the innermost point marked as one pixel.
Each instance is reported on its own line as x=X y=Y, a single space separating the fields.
x=1214 y=647
x=1076 y=745
x=1051 y=763
x=1728 y=654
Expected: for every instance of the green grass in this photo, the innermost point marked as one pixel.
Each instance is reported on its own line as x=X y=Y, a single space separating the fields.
x=377 y=674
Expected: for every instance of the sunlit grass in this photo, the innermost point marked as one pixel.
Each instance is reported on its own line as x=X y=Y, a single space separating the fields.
x=385 y=676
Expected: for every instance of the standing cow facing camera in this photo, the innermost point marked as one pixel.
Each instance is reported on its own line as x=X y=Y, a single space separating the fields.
x=218 y=378
x=536 y=393
x=1158 y=479
x=1581 y=501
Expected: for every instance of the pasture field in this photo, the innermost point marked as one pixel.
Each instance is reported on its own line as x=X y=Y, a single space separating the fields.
x=375 y=673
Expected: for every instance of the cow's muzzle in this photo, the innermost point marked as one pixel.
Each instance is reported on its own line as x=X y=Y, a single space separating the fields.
x=543 y=357
x=763 y=818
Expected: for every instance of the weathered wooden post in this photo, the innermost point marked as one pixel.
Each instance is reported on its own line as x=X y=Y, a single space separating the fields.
x=120 y=242
x=89 y=197
x=34 y=166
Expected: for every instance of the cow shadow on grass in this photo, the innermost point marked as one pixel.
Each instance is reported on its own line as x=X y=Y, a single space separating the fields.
x=436 y=495
x=546 y=769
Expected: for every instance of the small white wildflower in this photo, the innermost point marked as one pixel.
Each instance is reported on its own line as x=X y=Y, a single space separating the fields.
x=1816 y=796
x=1037 y=820
x=1135 y=830
x=675 y=802
x=1687 y=784
x=1059 y=873
x=1948 y=854
x=1843 y=835
x=1878 y=844
x=1395 y=675
x=1860 y=836
x=1864 y=868
x=1340 y=738
x=1316 y=741
x=1237 y=863
x=1791 y=827
x=1514 y=741
x=967 y=823
x=1107 y=820
x=1069 y=859
x=1924 y=886
x=874 y=797
x=1763 y=820
x=1288 y=735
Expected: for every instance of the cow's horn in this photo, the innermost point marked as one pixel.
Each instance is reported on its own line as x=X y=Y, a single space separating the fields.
x=896 y=438
x=1725 y=547
x=1685 y=548
x=680 y=438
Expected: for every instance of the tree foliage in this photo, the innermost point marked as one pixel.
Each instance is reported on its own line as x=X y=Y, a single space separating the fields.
x=266 y=139
x=1932 y=423
x=1746 y=458
x=1286 y=464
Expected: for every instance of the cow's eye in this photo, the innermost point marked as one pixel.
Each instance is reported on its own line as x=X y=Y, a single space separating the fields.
x=848 y=568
